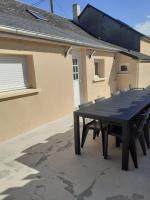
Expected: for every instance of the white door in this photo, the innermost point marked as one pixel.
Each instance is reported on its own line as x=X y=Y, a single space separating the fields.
x=76 y=80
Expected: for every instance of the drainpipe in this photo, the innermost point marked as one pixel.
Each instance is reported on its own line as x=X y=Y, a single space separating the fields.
x=137 y=75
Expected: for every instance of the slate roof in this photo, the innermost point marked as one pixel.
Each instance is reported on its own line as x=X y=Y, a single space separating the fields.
x=14 y=14
x=137 y=55
x=133 y=54
x=116 y=20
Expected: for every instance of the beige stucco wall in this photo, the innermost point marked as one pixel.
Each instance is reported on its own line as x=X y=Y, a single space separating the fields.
x=50 y=71
x=83 y=77
x=145 y=47
x=130 y=78
x=144 y=75
x=104 y=87
x=53 y=73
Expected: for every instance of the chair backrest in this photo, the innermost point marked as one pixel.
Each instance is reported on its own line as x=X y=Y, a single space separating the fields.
x=99 y=99
x=145 y=114
x=139 y=124
x=84 y=105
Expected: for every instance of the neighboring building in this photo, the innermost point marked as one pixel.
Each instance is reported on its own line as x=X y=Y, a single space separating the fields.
x=49 y=65
x=104 y=27
x=145 y=45
x=109 y=29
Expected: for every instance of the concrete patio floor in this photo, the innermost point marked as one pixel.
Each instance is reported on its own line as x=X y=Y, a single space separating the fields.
x=41 y=165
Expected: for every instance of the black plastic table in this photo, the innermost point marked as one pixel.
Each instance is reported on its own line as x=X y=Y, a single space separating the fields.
x=120 y=109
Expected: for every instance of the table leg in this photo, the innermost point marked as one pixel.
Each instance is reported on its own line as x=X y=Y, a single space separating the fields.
x=77 y=134
x=125 y=146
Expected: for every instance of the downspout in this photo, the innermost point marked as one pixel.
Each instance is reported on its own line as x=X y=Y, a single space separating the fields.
x=137 y=75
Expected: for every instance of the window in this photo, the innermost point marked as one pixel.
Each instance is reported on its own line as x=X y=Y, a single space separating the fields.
x=99 y=69
x=75 y=69
x=37 y=15
x=13 y=73
x=124 y=68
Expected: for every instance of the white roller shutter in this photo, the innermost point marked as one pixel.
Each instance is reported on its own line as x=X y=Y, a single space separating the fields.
x=13 y=73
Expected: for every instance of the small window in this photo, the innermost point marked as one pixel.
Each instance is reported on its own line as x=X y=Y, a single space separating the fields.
x=99 y=69
x=13 y=73
x=36 y=15
x=124 y=68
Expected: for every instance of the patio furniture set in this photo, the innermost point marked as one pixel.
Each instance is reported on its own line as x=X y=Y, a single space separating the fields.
x=125 y=115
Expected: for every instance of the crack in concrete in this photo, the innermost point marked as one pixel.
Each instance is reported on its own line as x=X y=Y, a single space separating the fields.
x=69 y=188
x=39 y=186
x=62 y=173
x=58 y=142
x=50 y=148
x=87 y=192
x=69 y=185
x=42 y=159
x=68 y=145
x=122 y=197
x=137 y=196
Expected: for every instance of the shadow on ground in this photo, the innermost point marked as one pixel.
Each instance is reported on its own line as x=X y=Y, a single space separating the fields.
x=64 y=176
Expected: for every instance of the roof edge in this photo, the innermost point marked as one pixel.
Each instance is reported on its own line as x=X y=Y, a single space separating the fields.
x=9 y=29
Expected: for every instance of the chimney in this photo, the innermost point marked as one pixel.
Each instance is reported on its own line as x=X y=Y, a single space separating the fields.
x=76 y=12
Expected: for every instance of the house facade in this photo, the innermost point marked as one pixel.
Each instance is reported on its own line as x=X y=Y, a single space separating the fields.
x=49 y=65
x=145 y=45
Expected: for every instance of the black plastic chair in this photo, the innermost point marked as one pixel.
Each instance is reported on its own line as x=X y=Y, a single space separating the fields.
x=137 y=131
x=105 y=124
x=146 y=114
x=92 y=125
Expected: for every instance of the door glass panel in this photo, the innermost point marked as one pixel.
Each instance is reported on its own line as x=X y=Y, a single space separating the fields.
x=75 y=61
x=74 y=69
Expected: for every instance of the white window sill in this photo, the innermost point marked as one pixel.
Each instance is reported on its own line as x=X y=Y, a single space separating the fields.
x=17 y=93
x=98 y=80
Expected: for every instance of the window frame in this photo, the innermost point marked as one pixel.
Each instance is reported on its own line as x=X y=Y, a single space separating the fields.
x=101 y=69
x=31 y=78
x=124 y=72
x=23 y=67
